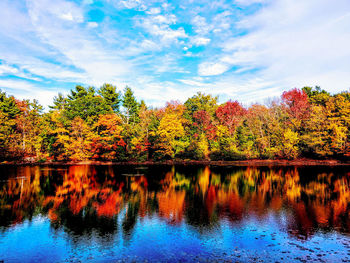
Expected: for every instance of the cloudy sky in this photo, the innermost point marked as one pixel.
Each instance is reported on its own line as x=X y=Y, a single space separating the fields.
x=165 y=50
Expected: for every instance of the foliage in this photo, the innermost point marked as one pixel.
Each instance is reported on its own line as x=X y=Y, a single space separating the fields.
x=103 y=124
x=230 y=114
x=171 y=130
x=297 y=105
x=200 y=102
x=107 y=140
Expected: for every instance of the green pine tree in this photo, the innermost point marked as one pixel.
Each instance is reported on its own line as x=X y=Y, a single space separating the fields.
x=131 y=106
x=111 y=96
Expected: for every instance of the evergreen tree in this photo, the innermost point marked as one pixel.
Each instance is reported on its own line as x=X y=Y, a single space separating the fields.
x=8 y=105
x=111 y=96
x=59 y=101
x=84 y=103
x=131 y=106
x=317 y=95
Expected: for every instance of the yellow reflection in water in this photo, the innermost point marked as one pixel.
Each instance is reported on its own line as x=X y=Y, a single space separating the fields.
x=322 y=202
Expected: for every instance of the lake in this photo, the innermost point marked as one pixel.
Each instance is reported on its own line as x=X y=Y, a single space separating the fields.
x=181 y=213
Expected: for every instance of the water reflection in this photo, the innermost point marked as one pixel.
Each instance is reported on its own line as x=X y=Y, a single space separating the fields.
x=82 y=199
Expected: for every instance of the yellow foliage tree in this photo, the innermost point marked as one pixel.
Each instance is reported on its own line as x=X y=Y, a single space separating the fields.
x=315 y=135
x=290 y=143
x=338 y=111
x=77 y=143
x=105 y=142
x=170 y=130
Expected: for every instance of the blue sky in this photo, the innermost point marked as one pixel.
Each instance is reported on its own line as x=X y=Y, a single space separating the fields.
x=247 y=50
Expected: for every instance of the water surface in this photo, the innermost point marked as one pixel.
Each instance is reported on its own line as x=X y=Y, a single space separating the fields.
x=174 y=213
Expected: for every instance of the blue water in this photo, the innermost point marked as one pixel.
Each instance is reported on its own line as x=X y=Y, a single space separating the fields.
x=140 y=229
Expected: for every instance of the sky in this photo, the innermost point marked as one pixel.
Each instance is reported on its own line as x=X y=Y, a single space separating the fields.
x=245 y=50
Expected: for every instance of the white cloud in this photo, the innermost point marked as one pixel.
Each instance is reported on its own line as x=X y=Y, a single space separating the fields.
x=282 y=45
x=191 y=82
x=67 y=16
x=153 y=11
x=222 y=21
x=211 y=69
x=164 y=19
x=7 y=69
x=78 y=47
x=62 y=9
x=26 y=90
x=92 y=24
x=292 y=43
x=40 y=44
x=200 y=25
x=158 y=93
x=159 y=26
x=200 y=41
x=219 y=23
x=167 y=63
x=247 y=89
x=133 y=4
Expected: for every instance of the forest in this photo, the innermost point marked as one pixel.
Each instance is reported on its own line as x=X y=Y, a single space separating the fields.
x=109 y=125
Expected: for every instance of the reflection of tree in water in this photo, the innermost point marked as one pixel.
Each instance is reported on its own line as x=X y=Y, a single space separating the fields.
x=324 y=205
x=83 y=227
x=88 y=199
x=130 y=219
x=21 y=196
x=83 y=206
x=135 y=194
x=81 y=193
x=171 y=198
x=199 y=212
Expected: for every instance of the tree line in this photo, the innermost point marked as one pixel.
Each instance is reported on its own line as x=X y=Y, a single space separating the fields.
x=106 y=124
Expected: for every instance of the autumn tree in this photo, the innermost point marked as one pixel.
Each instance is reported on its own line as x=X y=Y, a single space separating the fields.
x=200 y=102
x=108 y=141
x=205 y=133
x=9 y=111
x=297 y=105
x=230 y=115
x=266 y=129
x=78 y=143
x=145 y=133
x=327 y=129
x=100 y=124
x=171 y=130
x=29 y=124
x=338 y=115
x=315 y=137
x=317 y=96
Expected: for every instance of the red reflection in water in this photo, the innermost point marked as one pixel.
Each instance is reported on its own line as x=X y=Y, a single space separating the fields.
x=319 y=203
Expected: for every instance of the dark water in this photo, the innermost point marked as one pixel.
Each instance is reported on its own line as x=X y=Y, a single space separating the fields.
x=181 y=213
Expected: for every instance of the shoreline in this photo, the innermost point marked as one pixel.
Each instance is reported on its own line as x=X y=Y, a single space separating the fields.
x=252 y=162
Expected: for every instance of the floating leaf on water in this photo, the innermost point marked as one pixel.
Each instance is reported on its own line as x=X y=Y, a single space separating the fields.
x=132 y=174
x=141 y=168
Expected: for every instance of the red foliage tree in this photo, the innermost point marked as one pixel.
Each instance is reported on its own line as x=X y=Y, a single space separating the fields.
x=230 y=114
x=204 y=123
x=297 y=103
